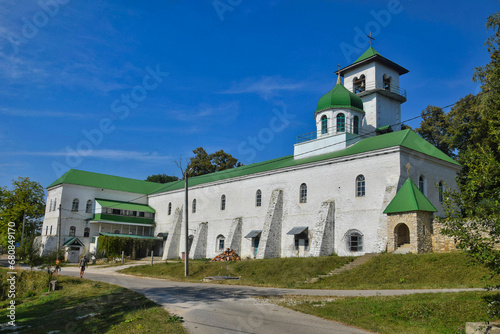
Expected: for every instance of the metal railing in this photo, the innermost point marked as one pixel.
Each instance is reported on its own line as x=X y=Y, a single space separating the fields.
x=332 y=131
x=381 y=85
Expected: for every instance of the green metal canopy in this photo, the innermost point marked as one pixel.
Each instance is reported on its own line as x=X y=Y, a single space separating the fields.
x=124 y=205
x=409 y=198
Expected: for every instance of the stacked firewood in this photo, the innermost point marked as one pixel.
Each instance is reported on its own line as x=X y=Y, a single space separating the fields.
x=228 y=255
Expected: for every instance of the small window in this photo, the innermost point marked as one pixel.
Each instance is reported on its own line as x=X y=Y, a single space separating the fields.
x=223 y=202
x=46 y=227
x=55 y=204
x=324 y=124
x=193 y=208
x=359 y=85
x=141 y=214
x=220 y=243
x=303 y=193
x=50 y=233
x=116 y=211
x=340 y=122
x=72 y=231
x=88 y=208
x=74 y=207
x=360 y=186
x=169 y=208
x=355 y=125
x=387 y=82
x=86 y=232
x=441 y=191
x=421 y=184
x=354 y=241
x=50 y=208
x=258 y=198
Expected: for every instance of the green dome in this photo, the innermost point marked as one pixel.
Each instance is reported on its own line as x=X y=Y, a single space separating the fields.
x=339 y=97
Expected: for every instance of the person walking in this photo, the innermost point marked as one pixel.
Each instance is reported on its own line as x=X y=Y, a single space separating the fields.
x=58 y=267
x=83 y=264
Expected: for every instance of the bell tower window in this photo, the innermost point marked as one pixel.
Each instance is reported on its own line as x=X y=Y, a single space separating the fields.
x=341 y=123
x=324 y=124
x=387 y=82
x=359 y=85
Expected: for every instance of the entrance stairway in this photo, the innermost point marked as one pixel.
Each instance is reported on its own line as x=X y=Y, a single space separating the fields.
x=403 y=249
x=351 y=265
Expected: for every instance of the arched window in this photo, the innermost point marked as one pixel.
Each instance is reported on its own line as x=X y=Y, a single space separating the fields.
x=220 y=244
x=360 y=186
x=55 y=204
x=324 y=124
x=86 y=232
x=386 y=82
x=354 y=240
x=74 y=207
x=72 y=231
x=258 y=198
x=340 y=122
x=223 y=202
x=303 y=193
x=88 y=208
x=441 y=191
x=421 y=184
x=359 y=85
x=355 y=125
x=50 y=230
x=46 y=227
x=50 y=208
x=194 y=206
x=169 y=208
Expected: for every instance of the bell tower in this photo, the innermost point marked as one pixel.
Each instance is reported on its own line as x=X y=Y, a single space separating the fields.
x=375 y=79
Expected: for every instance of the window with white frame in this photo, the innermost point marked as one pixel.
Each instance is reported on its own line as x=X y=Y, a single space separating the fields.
x=74 y=207
x=360 y=186
x=258 y=198
x=303 y=193
x=220 y=243
x=88 y=207
x=223 y=202
x=354 y=240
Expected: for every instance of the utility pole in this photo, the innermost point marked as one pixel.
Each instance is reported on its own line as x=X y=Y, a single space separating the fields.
x=186 y=253
x=22 y=231
x=59 y=229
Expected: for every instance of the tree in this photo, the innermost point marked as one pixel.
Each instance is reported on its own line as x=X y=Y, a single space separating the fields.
x=434 y=128
x=25 y=199
x=473 y=211
x=204 y=163
x=161 y=178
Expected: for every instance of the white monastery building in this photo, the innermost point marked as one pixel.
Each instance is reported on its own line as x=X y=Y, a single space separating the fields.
x=360 y=183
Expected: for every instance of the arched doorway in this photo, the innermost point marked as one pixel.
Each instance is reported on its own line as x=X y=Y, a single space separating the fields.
x=402 y=234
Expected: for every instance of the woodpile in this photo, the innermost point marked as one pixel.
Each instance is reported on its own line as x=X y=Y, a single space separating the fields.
x=228 y=255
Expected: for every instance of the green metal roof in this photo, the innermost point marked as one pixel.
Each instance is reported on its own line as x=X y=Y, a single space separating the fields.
x=128 y=236
x=409 y=198
x=339 y=97
x=79 y=177
x=367 y=54
x=406 y=138
x=124 y=205
x=122 y=219
x=73 y=241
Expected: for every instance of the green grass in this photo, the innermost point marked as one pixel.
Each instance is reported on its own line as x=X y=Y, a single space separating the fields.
x=421 y=313
x=385 y=271
x=410 y=271
x=280 y=272
x=83 y=306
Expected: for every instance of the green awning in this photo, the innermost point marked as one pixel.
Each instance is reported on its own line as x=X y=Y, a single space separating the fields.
x=129 y=236
x=124 y=205
x=409 y=198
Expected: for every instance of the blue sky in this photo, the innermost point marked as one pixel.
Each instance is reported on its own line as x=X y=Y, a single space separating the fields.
x=128 y=87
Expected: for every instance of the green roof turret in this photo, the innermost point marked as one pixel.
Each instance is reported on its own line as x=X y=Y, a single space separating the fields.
x=339 y=97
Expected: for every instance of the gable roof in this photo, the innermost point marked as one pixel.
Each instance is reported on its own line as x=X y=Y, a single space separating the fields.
x=79 y=177
x=409 y=198
x=73 y=242
x=406 y=138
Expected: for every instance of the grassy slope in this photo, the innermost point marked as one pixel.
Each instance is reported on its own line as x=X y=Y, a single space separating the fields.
x=386 y=271
x=281 y=272
x=85 y=306
x=422 y=313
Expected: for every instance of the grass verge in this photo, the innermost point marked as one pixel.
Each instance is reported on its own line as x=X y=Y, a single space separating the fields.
x=279 y=272
x=83 y=306
x=422 y=313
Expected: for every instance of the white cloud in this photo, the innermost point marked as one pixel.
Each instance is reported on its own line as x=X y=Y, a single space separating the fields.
x=266 y=87
x=206 y=113
x=41 y=113
x=105 y=154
